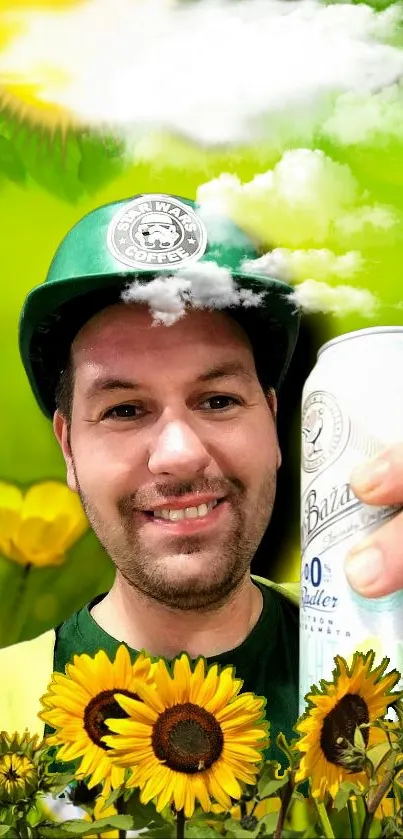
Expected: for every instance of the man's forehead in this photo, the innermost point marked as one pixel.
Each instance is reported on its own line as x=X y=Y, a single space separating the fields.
x=99 y=380
x=131 y=328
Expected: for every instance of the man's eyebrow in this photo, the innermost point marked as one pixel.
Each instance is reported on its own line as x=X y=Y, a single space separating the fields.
x=106 y=383
x=220 y=371
x=225 y=370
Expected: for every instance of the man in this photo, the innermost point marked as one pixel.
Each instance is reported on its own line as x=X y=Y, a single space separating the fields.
x=159 y=365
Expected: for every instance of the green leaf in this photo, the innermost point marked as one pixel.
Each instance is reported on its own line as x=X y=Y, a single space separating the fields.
x=269 y=782
x=4 y=828
x=167 y=832
x=377 y=754
x=60 y=782
x=234 y=829
x=115 y=794
x=359 y=742
x=196 y=830
x=270 y=822
x=286 y=748
x=10 y=162
x=79 y=827
x=102 y=160
x=143 y=814
x=346 y=789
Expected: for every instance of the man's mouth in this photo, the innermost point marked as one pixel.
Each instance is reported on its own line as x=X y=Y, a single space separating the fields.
x=188 y=517
x=199 y=512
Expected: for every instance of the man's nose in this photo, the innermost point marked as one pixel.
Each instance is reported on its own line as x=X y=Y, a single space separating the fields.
x=178 y=450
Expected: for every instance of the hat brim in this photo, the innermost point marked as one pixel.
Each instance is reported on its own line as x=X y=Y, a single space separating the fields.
x=54 y=312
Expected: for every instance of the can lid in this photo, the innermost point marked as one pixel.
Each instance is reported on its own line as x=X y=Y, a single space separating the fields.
x=360 y=333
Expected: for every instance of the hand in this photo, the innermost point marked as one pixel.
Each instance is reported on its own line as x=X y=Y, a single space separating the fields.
x=375 y=566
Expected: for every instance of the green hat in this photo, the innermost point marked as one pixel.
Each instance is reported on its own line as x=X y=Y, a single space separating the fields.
x=141 y=238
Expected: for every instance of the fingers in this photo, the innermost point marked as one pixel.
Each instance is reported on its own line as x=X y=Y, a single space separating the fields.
x=380 y=480
x=375 y=566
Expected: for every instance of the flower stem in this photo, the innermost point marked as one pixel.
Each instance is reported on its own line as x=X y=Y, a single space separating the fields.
x=285 y=803
x=180 y=824
x=375 y=799
x=120 y=807
x=324 y=819
x=355 y=819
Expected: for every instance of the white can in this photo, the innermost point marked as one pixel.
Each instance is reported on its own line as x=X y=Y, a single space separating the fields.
x=352 y=407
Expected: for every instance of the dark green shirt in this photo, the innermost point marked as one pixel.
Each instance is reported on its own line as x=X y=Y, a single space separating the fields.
x=267 y=661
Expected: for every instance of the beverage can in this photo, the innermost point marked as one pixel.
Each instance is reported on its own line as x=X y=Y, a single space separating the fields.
x=352 y=408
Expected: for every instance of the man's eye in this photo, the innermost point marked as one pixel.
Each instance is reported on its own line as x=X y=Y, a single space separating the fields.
x=221 y=403
x=125 y=411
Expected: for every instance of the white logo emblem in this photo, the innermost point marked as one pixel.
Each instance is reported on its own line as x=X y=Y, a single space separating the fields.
x=322 y=427
x=158 y=231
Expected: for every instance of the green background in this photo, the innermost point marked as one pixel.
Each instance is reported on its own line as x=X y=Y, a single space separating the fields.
x=46 y=185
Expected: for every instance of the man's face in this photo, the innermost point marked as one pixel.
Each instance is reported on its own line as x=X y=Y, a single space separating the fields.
x=172 y=449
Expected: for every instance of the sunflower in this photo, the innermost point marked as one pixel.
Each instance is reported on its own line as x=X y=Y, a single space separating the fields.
x=23 y=765
x=357 y=696
x=191 y=738
x=77 y=704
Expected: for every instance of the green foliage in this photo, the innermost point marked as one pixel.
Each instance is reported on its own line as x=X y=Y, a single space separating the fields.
x=270 y=781
x=79 y=827
x=198 y=830
x=346 y=790
x=69 y=166
x=144 y=815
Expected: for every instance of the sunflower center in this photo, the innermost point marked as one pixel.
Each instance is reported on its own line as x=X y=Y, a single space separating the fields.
x=11 y=775
x=340 y=723
x=187 y=738
x=102 y=707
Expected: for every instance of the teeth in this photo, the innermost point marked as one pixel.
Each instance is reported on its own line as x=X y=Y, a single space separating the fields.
x=186 y=512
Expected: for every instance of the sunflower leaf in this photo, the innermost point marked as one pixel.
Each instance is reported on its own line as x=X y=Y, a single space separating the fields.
x=270 y=781
x=359 y=742
x=79 y=827
x=196 y=830
x=60 y=782
x=345 y=790
x=378 y=754
x=234 y=829
x=4 y=828
x=115 y=794
x=286 y=747
x=143 y=814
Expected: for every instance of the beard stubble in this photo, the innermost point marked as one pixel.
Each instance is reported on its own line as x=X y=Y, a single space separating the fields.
x=148 y=572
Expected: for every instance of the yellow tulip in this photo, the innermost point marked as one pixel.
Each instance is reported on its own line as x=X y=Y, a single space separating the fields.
x=39 y=527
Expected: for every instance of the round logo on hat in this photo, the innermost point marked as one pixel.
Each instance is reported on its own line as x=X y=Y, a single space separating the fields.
x=158 y=231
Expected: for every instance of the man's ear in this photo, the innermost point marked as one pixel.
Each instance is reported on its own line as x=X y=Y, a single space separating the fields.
x=271 y=397
x=62 y=434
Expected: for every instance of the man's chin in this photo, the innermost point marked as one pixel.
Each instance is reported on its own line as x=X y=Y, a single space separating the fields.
x=187 y=583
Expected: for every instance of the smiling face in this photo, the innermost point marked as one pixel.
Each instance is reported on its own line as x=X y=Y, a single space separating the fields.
x=172 y=449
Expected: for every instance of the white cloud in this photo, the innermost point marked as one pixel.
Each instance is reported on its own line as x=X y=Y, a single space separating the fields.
x=203 y=286
x=294 y=266
x=214 y=70
x=359 y=119
x=313 y=296
x=306 y=201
